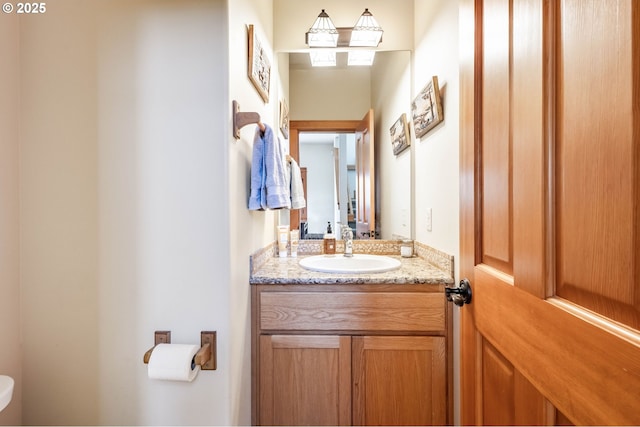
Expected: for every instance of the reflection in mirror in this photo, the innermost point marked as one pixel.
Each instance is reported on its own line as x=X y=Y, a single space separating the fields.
x=320 y=98
x=330 y=163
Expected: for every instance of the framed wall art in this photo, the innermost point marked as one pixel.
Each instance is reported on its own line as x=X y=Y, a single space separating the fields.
x=284 y=118
x=259 y=66
x=400 y=135
x=426 y=108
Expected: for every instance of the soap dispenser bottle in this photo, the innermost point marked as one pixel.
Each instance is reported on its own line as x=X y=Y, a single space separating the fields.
x=329 y=241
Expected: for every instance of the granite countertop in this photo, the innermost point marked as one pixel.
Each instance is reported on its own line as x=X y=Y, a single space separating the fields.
x=414 y=270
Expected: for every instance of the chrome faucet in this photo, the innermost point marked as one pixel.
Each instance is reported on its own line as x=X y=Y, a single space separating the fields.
x=347 y=236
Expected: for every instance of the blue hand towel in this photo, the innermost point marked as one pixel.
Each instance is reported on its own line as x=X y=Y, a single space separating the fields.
x=269 y=184
x=257 y=174
x=276 y=183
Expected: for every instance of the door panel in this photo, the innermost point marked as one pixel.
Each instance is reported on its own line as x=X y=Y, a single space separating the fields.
x=549 y=211
x=497 y=387
x=508 y=397
x=572 y=362
x=562 y=420
x=496 y=165
x=597 y=161
x=530 y=108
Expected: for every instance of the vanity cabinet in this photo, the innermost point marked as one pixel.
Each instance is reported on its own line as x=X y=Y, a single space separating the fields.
x=350 y=355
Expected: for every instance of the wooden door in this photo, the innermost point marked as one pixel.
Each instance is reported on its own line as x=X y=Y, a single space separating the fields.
x=365 y=179
x=305 y=380
x=550 y=211
x=399 y=380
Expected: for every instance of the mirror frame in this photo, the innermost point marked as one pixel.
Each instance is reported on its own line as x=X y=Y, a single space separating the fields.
x=297 y=126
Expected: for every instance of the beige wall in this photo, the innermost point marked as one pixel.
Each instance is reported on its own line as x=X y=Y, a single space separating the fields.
x=10 y=351
x=391 y=87
x=249 y=230
x=330 y=94
x=124 y=230
x=133 y=207
x=437 y=153
x=58 y=218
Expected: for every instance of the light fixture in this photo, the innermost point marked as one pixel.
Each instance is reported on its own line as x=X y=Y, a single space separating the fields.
x=366 y=32
x=323 y=58
x=360 y=57
x=322 y=33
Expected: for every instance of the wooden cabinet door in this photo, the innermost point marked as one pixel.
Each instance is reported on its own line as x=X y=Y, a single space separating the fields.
x=550 y=219
x=399 y=380
x=305 y=380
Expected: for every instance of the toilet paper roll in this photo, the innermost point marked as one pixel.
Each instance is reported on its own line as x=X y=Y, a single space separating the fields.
x=173 y=362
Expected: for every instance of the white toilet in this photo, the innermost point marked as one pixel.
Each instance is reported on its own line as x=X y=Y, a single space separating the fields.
x=6 y=391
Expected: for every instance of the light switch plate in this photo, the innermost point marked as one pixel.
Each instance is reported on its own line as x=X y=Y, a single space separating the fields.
x=429 y=219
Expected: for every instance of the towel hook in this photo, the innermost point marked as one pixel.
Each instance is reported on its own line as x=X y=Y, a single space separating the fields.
x=241 y=119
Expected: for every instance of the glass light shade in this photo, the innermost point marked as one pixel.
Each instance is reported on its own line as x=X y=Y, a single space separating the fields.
x=322 y=33
x=366 y=32
x=361 y=57
x=323 y=58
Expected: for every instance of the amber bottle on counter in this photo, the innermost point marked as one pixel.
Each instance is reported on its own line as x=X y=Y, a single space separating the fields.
x=329 y=241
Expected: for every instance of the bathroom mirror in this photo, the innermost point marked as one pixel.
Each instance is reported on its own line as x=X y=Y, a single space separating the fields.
x=344 y=93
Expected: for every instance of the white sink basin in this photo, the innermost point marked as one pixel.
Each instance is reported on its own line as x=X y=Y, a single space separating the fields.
x=6 y=391
x=358 y=263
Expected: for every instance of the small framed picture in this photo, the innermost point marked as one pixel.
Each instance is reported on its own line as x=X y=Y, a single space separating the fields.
x=284 y=118
x=259 y=66
x=426 y=109
x=400 y=135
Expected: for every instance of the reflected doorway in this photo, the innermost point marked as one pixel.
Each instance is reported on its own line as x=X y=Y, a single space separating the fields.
x=364 y=211
x=329 y=164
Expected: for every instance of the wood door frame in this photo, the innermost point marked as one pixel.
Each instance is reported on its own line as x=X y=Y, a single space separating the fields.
x=297 y=126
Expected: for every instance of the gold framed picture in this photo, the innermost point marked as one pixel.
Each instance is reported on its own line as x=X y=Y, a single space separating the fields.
x=400 y=140
x=284 y=118
x=426 y=108
x=259 y=66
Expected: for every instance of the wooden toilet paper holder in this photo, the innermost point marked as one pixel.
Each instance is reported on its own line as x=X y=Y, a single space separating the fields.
x=205 y=357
